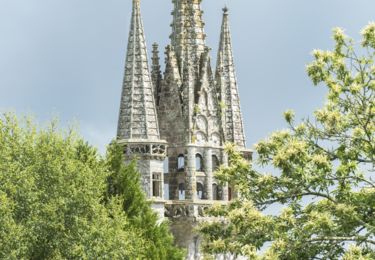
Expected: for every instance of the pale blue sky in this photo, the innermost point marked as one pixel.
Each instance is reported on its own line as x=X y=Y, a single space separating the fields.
x=65 y=58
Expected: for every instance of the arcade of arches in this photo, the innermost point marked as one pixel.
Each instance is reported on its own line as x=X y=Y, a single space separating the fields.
x=203 y=185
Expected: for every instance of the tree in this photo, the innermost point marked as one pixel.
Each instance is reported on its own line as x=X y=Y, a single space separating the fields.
x=124 y=183
x=323 y=180
x=52 y=188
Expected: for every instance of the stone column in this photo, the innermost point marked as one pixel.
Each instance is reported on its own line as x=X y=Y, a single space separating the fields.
x=208 y=172
x=225 y=188
x=190 y=178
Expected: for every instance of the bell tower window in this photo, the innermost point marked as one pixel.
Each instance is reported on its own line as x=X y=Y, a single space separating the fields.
x=181 y=191
x=181 y=163
x=198 y=163
x=200 y=190
x=215 y=163
x=156 y=185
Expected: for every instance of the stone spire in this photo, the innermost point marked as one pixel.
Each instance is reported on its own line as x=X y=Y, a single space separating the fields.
x=227 y=87
x=156 y=73
x=138 y=118
x=187 y=30
x=170 y=110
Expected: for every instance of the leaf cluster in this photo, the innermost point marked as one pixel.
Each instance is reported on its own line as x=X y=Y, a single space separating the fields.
x=323 y=179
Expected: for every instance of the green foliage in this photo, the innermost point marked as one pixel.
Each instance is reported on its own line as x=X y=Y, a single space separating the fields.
x=324 y=172
x=51 y=188
x=55 y=202
x=124 y=183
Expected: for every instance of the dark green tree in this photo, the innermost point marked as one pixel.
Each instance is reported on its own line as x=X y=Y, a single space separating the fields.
x=124 y=183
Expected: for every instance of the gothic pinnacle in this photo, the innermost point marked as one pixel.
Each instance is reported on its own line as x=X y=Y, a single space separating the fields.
x=138 y=116
x=227 y=85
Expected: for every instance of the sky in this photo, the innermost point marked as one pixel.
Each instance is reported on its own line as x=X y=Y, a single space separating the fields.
x=65 y=58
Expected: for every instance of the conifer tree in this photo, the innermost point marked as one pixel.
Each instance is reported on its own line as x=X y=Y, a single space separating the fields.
x=124 y=183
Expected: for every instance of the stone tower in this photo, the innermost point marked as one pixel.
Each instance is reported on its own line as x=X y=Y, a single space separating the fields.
x=176 y=124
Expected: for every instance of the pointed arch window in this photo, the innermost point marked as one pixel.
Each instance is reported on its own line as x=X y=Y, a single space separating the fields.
x=181 y=163
x=215 y=163
x=181 y=191
x=217 y=192
x=200 y=190
x=198 y=163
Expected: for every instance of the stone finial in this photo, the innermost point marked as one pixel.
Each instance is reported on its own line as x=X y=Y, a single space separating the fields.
x=225 y=10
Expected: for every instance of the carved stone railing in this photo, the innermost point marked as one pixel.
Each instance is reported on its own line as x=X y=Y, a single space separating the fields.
x=188 y=209
x=145 y=148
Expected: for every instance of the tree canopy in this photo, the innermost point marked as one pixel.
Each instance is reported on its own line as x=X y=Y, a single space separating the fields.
x=318 y=202
x=55 y=204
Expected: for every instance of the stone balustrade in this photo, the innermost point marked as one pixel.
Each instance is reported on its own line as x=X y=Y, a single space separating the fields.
x=188 y=209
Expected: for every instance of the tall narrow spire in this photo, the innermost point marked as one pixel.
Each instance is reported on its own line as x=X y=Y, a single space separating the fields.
x=156 y=73
x=138 y=118
x=170 y=111
x=187 y=30
x=227 y=87
x=188 y=91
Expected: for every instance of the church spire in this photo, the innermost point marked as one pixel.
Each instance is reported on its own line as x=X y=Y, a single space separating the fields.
x=138 y=118
x=227 y=87
x=187 y=30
